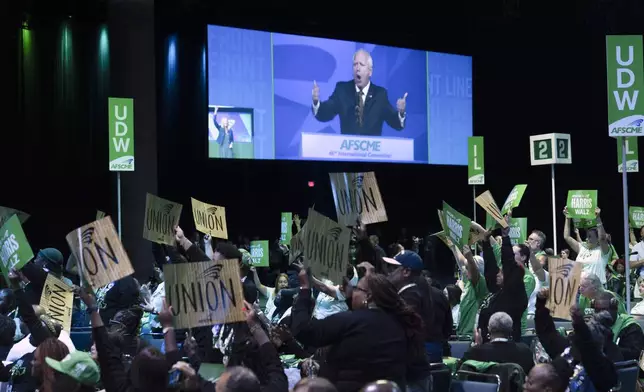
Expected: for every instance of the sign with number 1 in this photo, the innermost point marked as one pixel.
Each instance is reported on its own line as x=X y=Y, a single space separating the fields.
x=549 y=149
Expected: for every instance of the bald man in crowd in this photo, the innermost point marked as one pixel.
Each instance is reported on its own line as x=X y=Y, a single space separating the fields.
x=362 y=106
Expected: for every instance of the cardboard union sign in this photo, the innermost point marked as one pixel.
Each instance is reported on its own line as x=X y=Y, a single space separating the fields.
x=57 y=300
x=357 y=194
x=205 y=293
x=565 y=278
x=161 y=216
x=326 y=246
x=210 y=219
x=100 y=253
x=486 y=201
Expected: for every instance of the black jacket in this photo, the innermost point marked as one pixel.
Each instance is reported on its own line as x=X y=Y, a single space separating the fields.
x=377 y=110
x=366 y=345
x=631 y=342
x=600 y=366
x=511 y=298
x=502 y=352
x=432 y=306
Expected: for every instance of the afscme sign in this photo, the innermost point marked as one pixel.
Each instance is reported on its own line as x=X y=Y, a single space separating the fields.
x=625 y=78
x=121 y=134
x=360 y=145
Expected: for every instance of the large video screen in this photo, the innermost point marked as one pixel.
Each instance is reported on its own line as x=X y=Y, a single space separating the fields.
x=281 y=96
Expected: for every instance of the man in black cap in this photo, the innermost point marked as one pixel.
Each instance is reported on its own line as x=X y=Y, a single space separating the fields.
x=47 y=261
x=429 y=303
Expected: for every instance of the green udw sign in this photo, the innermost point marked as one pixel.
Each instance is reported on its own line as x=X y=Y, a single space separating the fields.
x=625 y=77
x=121 y=134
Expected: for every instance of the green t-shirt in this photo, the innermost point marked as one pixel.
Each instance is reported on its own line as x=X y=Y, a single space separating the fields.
x=474 y=295
x=584 y=305
x=530 y=283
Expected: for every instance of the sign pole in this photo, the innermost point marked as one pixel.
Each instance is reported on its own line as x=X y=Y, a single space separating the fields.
x=554 y=208
x=626 y=244
x=474 y=202
x=118 y=201
x=121 y=144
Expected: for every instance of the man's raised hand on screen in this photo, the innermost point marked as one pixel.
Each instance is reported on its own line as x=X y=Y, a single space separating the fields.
x=401 y=104
x=315 y=93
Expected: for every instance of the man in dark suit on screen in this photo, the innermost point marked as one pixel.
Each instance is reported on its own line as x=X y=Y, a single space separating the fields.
x=361 y=105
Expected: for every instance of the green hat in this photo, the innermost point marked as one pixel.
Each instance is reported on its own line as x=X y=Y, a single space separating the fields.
x=78 y=365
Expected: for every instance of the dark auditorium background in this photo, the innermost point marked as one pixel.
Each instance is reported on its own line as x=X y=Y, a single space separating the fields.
x=538 y=67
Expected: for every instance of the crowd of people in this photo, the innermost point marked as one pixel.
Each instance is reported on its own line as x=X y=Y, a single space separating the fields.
x=386 y=326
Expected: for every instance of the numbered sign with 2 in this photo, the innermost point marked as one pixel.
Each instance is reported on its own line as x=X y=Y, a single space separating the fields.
x=549 y=149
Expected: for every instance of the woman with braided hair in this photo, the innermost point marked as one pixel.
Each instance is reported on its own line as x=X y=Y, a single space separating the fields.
x=373 y=341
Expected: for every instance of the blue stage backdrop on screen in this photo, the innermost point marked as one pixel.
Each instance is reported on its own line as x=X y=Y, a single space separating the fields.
x=298 y=61
x=450 y=107
x=273 y=75
x=240 y=75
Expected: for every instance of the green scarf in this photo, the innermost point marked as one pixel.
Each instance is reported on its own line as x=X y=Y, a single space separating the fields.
x=623 y=321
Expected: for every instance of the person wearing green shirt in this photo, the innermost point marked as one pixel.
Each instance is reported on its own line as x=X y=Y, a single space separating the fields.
x=591 y=288
x=474 y=293
x=627 y=332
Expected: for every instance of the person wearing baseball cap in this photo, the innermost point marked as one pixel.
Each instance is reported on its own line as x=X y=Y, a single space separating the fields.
x=432 y=307
x=77 y=372
x=47 y=261
x=428 y=302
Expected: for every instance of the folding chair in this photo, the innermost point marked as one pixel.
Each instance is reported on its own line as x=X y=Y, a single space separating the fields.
x=628 y=374
x=467 y=381
x=459 y=348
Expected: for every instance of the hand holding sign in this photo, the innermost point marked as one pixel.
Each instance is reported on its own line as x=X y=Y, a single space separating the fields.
x=304 y=279
x=360 y=230
x=86 y=295
x=401 y=104
x=165 y=316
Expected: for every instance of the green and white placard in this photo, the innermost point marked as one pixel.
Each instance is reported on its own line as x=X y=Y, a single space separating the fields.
x=457 y=225
x=582 y=204
x=121 y=134
x=514 y=198
x=550 y=148
x=286 y=228
x=518 y=230
x=636 y=217
x=475 y=161
x=632 y=159
x=259 y=253
x=15 y=251
x=625 y=77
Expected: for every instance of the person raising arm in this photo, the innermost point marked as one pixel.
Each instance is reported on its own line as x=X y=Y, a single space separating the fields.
x=594 y=253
